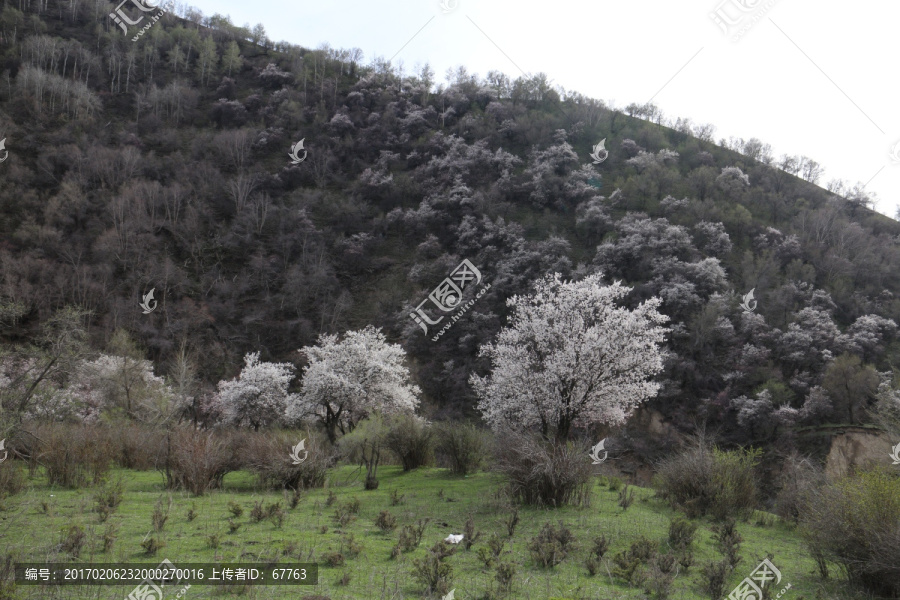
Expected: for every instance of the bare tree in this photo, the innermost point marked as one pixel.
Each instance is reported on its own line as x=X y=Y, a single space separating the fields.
x=241 y=187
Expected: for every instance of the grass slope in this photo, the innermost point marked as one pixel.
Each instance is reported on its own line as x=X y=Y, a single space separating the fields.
x=31 y=523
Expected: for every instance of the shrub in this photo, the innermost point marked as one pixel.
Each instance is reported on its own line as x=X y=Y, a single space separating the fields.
x=411 y=535
x=629 y=563
x=108 y=499
x=232 y=526
x=662 y=573
x=512 y=519
x=267 y=454
x=333 y=559
x=551 y=546
x=504 y=575
x=614 y=484
x=435 y=574
x=714 y=482
x=12 y=479
x=713 y=576
x=331 y=498
x=350 y=547
x=410 y=439
x=258 y=512
x=137 y=447
x=386 y=521
x=345 y=579
x=799 y=479
x=109 y=536
x=626 y=497
x=461 y=447
x=160 y=514
x=74 y=455
x=486 y=556
x=729 y=541
x=152 y=545
x=397 y=498
x=73 y=539
x=544 y=473
x=197 y=461
x=855 y=522
x=681 y=534
x=212 y=541
x=598 y=548
x=686 y=560
x=343 y=516
x=353 y=505
x=470 y=535
x=235 y=509
x=296 y=496
x=192 y=513
x=275 y=514
x=364 y=446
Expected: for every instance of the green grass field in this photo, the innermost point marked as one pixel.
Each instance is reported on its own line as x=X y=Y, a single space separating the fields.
x=31 y=525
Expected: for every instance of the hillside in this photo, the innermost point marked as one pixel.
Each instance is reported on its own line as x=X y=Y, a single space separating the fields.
x=162 y=164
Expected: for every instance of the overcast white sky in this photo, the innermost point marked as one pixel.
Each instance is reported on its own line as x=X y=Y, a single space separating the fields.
x=819 y=78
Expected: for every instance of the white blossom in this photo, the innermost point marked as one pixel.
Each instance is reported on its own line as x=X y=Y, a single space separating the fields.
x=348 y=379
x=259 y=395
x=571 y=357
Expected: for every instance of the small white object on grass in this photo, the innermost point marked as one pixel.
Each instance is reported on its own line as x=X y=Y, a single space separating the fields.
x=454 y=539
x=450 y=595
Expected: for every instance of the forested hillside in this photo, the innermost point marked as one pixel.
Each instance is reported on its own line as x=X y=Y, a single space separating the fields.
x=163 y=164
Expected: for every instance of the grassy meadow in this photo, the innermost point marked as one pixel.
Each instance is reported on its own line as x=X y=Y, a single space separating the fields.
x=219 y=527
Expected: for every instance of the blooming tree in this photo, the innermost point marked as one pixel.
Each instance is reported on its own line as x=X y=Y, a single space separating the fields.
x=348 y=379
x=259 y=395
x=571 y=357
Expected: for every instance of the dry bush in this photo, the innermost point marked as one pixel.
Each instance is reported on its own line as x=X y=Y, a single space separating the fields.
x=386 y=521
x=74 y=455
x=72 y=540
x=409 y=437
x=12 y=478
x=681 y=534
x=544 y=473
x=267 y=453
x=729 y=540
x=799 y=479
x=435 y=574
x=702 y=481
x=138 y=447
x=461 y=447
x=551 y=546
x=713 y=577
x=197 y=461
x=855 y=522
